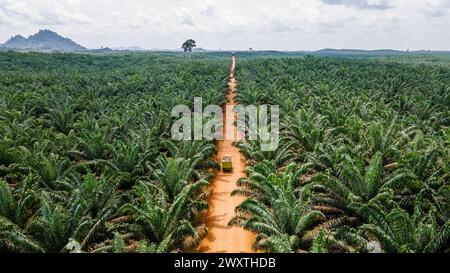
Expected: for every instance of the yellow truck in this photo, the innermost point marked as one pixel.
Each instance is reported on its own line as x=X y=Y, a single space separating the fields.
x=227 y=163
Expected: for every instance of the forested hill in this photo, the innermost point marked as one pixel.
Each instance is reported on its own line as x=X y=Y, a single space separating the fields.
x=44 y=40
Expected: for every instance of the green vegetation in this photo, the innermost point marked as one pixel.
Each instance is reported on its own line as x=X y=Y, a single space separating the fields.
x=86 y=159
x=87 y=163
x=363 y=163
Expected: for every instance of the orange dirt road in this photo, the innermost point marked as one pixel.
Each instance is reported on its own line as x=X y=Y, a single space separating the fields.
x=221 y=238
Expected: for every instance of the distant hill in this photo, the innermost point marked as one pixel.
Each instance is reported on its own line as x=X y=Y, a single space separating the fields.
x=199 y=49
x=129 y=48
x=44 y=40
x=379 y=52
x=358 y=52
x=353 y=53
x=102 y=50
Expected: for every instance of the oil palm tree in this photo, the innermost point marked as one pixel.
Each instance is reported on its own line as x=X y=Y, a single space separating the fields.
x=54 y=225
x=274 y=210
x=166 y=224
x=13 y=216
x=174 y=174
x=357 y=186
x=397 y=231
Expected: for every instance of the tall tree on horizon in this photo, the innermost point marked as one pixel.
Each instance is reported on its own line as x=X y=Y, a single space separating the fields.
x=188 y=45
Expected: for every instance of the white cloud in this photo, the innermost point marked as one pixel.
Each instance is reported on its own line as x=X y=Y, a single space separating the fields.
x=281 y=24
x=43 y=12
x=361 y=4
x=434 y=8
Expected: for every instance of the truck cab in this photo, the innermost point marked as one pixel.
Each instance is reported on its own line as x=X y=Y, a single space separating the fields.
x=227 y=163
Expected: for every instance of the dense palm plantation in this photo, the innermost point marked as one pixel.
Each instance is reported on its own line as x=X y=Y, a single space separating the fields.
x=87 y=163
x=363 y=163
x=86 y=158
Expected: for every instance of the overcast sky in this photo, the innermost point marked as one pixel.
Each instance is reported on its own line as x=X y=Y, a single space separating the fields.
x=236 y=24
